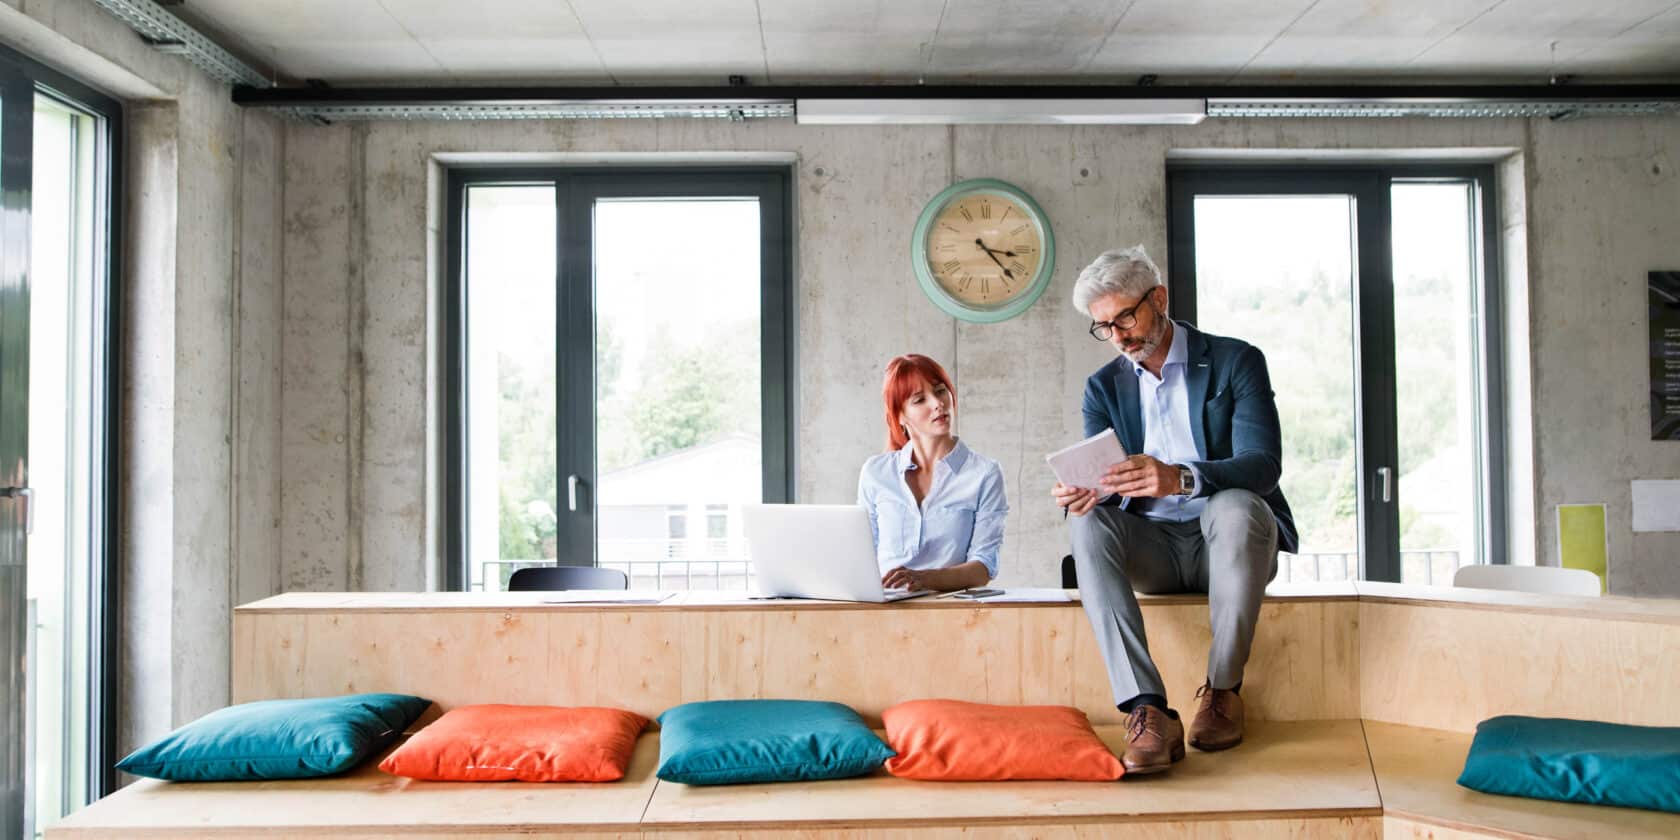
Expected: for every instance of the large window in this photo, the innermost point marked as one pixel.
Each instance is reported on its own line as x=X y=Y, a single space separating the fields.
x=1370 y=292
x=57 y=411
x=620 y=360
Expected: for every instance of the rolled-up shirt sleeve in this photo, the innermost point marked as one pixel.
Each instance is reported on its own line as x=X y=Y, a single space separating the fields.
x=989 y=516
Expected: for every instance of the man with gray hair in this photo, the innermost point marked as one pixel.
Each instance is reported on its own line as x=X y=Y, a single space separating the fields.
x=1195 y=507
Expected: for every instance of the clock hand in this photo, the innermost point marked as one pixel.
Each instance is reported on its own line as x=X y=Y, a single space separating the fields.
x=994 y=250
x=1006 y=271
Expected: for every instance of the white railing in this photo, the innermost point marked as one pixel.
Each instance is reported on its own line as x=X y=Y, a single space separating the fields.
x=711 y=563
x=701 y=563
x=1424 y=566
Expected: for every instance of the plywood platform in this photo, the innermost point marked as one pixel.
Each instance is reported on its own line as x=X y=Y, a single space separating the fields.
x=1295 y=780
x=1284 y=770
x=1417 y=771
x=367 y=803
x=461 y=648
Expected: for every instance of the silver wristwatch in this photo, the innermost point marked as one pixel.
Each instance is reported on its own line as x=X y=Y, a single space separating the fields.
x=1186 y=481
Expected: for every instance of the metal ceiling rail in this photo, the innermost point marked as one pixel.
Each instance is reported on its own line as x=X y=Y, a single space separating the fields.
x=746 y=102
x=169 y=34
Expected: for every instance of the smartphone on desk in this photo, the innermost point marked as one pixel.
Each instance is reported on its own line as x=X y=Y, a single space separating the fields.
x=977 y=593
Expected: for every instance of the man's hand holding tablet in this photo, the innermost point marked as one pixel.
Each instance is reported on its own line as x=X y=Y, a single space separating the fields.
x=1081 y=470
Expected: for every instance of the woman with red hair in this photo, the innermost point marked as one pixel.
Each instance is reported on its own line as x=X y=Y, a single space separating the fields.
x=936 y=507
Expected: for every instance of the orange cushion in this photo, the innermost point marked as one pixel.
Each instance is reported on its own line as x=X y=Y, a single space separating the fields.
x=495 y=743
x=953 y=741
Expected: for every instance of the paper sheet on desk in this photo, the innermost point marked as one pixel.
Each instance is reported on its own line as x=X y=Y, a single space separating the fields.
x=607 y=596
x=1026 y=596
x=1083 y=464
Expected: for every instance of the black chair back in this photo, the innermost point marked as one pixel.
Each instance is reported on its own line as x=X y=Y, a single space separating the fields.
x=1070 y=578
x=556 y=578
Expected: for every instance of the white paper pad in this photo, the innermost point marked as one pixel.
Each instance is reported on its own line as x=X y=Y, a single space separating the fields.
x=607 y=596
x=1083 y=464
x=1656 y=506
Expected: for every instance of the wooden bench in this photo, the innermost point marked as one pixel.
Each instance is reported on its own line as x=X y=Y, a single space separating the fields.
x=1417 y=771
x=1420 y=666
x=1303 y=780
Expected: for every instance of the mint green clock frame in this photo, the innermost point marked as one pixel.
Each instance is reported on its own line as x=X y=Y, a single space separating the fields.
x=936 y=293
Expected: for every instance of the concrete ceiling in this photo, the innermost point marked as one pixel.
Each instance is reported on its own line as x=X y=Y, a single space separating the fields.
x=953 y=41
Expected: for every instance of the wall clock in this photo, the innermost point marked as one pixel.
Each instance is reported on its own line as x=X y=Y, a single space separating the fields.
x=983 y=250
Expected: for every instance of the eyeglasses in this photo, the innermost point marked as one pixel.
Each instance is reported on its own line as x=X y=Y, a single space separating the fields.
x=1125 y=320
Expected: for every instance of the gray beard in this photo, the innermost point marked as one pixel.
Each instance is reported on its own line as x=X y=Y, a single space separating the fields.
x=1150 y=343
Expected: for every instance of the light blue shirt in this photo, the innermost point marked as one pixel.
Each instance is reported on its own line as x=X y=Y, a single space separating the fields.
x=961 y=519
x=1165 y=404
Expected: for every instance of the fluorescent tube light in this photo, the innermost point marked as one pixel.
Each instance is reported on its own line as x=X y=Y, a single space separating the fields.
x=1000 y=111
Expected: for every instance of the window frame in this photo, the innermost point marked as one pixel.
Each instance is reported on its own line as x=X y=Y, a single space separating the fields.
x=1375 y=384
x=576 y=190
x=22 y=78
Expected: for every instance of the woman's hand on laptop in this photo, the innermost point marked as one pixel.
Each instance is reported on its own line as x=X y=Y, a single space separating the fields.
x=904 y=578
x=948 y=579
x=1075 y=500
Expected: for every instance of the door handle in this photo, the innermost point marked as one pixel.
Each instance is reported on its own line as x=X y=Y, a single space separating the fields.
x=25 y=496
x=572 y=482
x=1385 y=479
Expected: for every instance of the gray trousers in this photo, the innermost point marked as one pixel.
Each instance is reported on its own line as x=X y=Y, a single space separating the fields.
x=1230 y=553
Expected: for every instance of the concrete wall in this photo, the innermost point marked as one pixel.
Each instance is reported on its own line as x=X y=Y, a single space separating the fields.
x=1588 y=199
x=199 y=357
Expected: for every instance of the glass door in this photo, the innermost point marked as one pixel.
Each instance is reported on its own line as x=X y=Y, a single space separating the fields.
x=623 y=376
x=1443 y=443
x=57 y=148
x=16 y=809
x=678 y=388
x=1266 y=265
x=1367 y=291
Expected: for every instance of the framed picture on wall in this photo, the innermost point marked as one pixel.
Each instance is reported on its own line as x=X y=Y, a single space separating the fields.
x=1664 y=312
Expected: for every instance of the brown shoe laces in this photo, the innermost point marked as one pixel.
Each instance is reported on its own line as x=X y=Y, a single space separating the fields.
x=1137 y=721
x=1216 y=700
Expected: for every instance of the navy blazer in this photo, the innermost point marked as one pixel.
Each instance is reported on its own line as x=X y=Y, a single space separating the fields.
x=1232 y=417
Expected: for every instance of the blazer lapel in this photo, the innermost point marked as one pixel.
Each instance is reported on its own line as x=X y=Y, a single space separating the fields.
x=1130 y=428
x=1198 y=372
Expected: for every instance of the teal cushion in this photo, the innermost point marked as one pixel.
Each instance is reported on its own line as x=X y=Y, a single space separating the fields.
x=1576 y=761
x=723 y=742
x=278 y=739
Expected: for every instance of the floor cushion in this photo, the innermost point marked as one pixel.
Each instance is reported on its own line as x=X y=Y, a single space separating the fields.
x=278 y=739
x=950 y=740
x=741 y=741
x=1576 y=761
x=499 y=743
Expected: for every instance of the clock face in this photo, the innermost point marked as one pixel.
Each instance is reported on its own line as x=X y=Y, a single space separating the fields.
x=983 y=250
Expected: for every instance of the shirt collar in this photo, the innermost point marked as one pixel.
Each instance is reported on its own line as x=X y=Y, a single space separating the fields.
x=954 y=459
x=1178 y=352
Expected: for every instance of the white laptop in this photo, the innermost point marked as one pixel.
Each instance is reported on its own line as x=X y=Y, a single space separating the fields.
x=823 y=552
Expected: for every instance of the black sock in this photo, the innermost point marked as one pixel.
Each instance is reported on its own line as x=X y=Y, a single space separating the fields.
x=1155 y=700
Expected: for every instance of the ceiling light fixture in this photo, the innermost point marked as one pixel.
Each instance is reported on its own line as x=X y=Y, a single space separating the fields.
x=999 y=111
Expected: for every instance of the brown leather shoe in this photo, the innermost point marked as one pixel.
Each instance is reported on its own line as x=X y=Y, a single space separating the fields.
x=1154 y=740
x=1219 y=719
